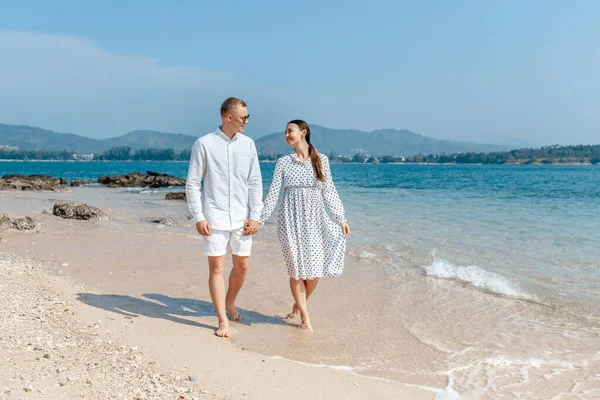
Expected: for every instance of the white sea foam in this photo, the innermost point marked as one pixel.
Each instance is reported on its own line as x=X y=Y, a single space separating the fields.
x=144 y=190
x=495 y=369
x=477 y=277
x=345 y=368
x=503 y=361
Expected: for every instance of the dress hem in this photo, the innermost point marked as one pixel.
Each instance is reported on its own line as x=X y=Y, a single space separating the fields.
x=316 y=276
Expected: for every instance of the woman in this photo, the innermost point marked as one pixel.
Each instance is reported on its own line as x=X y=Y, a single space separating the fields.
x=313 y=245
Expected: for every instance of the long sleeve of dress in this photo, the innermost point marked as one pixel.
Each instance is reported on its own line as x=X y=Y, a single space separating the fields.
x=330 y=195
x=273 y=195
x=196 y=172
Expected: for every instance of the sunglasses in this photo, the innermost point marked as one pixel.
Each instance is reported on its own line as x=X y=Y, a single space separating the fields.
x=244 y=119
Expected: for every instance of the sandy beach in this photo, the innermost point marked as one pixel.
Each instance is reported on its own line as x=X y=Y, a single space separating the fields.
x=90 y=310
x=55 y=346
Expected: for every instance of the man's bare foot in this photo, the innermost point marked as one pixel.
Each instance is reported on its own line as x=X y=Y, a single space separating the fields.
x=234 y=315
x=306 y=326
x=223 y=330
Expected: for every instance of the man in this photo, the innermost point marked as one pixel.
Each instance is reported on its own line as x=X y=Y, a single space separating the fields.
x=228 y=209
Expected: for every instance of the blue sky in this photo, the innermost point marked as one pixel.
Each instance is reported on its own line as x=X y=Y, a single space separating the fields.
x=466 y=70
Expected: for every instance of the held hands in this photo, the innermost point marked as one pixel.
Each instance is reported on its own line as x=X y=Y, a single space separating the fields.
x=346 y=228
x=203 y=228
x=250 y=227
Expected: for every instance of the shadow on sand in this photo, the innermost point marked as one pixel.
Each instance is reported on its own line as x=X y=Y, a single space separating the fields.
x=155 y=305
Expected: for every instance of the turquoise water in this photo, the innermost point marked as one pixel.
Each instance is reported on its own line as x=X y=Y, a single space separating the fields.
x=526 y=231
x=577 y=183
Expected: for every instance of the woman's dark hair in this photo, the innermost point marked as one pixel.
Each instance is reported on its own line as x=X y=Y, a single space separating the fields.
x=312 y=151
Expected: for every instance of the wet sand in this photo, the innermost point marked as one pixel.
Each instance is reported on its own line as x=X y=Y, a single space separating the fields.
x=397 y=334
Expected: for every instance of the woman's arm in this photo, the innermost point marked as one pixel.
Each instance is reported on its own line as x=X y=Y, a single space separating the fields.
x=330 y=195
x=273 y=195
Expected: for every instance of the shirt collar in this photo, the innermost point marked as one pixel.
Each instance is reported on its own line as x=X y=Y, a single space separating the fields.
x=223 y=136
x=297 y=159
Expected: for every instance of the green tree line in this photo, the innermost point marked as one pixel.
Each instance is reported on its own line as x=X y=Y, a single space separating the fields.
x=35 y=155
x=124 y=153
x=545 y=155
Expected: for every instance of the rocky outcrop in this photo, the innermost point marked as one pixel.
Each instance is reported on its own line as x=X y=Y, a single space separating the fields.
x=21 y=224
x=25 y=224
x=4 y=222
x=176 y=196
x=137 y=179
x=32 y=182
x=77 y=183
x=78 y=211
x=160 y=220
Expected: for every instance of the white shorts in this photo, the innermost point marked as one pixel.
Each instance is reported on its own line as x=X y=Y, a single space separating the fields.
x=215 y=245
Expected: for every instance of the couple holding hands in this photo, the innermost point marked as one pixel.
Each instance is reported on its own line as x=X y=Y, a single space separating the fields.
x=229 y=209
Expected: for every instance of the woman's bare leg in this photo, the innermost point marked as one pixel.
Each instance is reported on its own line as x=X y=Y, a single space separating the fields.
x=310 y=285
x=299 y=292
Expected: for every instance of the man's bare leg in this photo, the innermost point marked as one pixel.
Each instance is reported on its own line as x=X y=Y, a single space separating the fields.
x=216 y=285
x=236 y=281
x=311 y=285
x=299 y=292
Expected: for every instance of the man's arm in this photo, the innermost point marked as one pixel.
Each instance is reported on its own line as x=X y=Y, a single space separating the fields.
x=254 y=194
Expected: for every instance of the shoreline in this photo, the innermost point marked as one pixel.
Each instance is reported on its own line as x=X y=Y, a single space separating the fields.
x=146 y=284
x=138 y=326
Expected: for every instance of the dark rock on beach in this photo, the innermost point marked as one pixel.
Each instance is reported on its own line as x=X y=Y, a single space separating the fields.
x=25 y=224
x=78 y=183
x=32 y=182
x=160 y=220
x=21 y=224
x=78 y=211
x=175 y=196
x=137 y=179
x=4 y=222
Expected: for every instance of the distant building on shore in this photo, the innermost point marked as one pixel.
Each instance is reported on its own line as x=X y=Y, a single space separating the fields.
x=82 y=157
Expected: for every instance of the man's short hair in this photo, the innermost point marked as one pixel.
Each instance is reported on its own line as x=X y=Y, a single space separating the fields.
x=230 y=104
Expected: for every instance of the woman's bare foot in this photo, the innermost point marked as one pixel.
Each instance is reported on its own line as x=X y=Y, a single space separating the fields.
x=306 y=326
x=234 y=315
x=295 y=311
x=223 y=330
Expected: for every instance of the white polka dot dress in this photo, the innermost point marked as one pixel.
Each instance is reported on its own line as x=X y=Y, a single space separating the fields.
x=313 y=245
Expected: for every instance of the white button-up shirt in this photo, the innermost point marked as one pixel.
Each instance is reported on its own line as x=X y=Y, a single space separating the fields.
x=232 y=190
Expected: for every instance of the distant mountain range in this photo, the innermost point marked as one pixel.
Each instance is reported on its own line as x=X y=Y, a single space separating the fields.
x=339 y=141
x=391 y=142
x=31 y=138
